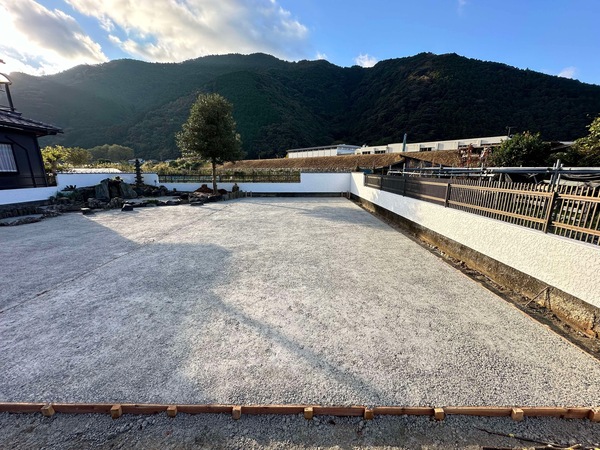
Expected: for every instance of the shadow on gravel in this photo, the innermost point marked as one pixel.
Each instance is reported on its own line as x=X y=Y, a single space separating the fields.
x=130 y=322
x=339 y=214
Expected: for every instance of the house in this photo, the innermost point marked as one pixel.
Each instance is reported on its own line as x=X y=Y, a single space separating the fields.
x=21 y=164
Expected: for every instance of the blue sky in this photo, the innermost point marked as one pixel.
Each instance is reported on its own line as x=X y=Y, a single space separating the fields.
x=557 y=37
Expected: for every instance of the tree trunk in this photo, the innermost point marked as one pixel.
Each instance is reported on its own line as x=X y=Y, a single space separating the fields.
x=214 y=176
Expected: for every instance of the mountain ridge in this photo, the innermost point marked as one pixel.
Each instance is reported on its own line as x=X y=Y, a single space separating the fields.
x=280 y=105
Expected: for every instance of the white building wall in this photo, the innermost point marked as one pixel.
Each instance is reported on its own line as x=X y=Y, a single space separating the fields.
x=434 y=145
x=10 y=196
x=309 y=183
x=566 y=264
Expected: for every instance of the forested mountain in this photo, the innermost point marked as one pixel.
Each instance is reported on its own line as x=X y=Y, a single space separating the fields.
x=280 y=105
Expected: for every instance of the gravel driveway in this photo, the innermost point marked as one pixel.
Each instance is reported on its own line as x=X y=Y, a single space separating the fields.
x=263 y=300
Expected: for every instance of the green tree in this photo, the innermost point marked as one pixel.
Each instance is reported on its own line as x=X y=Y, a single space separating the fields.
x=78 y=156
x=209 y=133
x=57 y=157
x=587 y=148
x=526 y=149
x=113 y=152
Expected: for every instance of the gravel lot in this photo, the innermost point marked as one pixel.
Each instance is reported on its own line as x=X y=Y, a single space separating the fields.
x=264 y=301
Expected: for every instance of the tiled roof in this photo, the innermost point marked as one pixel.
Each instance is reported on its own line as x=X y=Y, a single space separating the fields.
x=345 y=163
x=14 y=120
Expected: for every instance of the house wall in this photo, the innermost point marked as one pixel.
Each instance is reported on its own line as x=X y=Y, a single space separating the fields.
x=28 y=160
x=310 y=183
x=569 y=265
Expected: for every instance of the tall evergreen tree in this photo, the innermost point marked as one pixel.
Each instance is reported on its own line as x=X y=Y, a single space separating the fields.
x=210 y=133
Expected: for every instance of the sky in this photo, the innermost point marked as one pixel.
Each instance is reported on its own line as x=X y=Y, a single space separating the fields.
x=556 y=37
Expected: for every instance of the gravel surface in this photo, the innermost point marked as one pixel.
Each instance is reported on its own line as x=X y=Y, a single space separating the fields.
x=284 y=432
x=263 y=301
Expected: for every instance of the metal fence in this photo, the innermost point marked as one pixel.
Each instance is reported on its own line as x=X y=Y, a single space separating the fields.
x=258 y=176
x=569 y=211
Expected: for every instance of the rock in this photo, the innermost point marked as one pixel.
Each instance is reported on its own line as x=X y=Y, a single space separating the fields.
x=11 y=222
x=173 y=202
x=102 y=192
x=95 y=203
x=151 y=204
x=115 y=203
x=222 y=191
x=114 y=188
x=127 y=191
x=204 y=189
x=196 y=203
x=127 y=207
x=214 y=198
x=86 y=211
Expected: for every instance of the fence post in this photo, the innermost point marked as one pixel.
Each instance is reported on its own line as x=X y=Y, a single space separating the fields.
x=448 y=187
x=548 y=218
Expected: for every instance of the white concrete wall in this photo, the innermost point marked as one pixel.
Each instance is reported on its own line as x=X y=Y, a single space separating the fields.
x=309 y=183
x=91 y=179
x=10 y=196
x=313 y=153
x=434 y=145
x=566 y=264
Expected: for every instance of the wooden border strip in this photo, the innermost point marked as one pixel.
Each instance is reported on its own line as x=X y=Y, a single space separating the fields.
x=342 y=411
x=116 y=410
x=403 y=411
x=484 y=411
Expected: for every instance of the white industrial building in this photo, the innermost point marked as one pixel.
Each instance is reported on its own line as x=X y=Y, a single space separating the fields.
x=343 y=149
x=328 y=150
x=457 y=144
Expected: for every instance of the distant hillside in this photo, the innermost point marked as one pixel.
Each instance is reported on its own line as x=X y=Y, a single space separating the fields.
x=280 y=105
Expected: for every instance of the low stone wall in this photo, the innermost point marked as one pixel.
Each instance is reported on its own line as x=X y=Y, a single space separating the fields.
x=310 y=184
x=526 y=261
x=91 y=179
x=14 y=196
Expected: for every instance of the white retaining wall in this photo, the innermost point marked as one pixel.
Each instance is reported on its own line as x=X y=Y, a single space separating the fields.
x=91 y=179
x=566 y=264
x=309 y=183
x=11 y=196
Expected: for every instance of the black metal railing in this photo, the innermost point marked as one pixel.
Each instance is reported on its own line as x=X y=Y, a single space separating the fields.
x=569 y=211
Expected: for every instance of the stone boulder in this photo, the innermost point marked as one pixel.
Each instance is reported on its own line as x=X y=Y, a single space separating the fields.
x=204 y=189
x=102 y=191
x=115 y=203
x=126 y=191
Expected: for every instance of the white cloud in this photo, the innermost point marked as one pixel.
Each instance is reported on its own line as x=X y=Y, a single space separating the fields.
x=177 y=30
x=321 y=56
x=568 y=72
x=37 y=40
x=365 y=60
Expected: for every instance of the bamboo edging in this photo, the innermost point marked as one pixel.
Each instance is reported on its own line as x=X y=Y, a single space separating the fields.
x=309 y=411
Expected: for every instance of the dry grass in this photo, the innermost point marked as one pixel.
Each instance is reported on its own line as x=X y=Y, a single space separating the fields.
x=346 y=163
